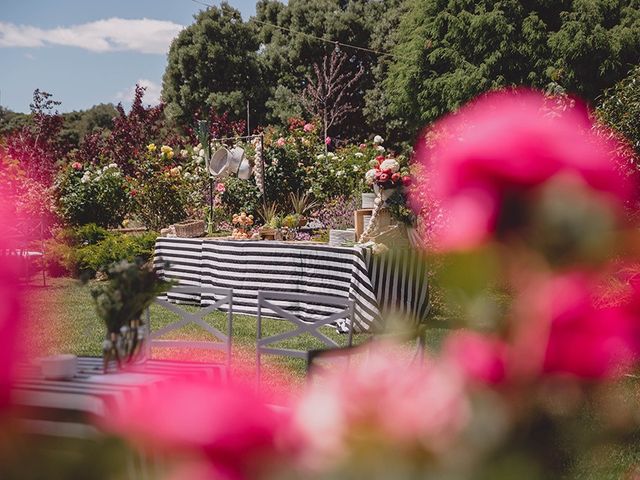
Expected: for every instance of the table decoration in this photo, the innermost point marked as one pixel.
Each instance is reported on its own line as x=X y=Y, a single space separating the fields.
x=388 y=178
x=189 y=228
x=59 y=367
x=242 y=223
x=120 y=301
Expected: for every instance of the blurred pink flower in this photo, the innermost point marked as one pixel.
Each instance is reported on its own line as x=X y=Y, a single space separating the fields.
x=327 y=141
x=309 y=127
x=385 y=399
x=482 y=358
x=281 y=142
x=495 y=151
x=11 y=313
x=76 y=166
x=581 y=339
x=231 y=426
x=220 y=188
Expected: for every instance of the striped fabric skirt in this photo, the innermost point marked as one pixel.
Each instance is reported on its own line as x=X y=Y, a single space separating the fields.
x=380 y=285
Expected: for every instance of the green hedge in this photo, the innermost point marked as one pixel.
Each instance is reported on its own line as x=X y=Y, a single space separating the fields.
x=82 y=252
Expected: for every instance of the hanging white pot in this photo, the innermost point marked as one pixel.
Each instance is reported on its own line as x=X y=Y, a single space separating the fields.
x=218 y=165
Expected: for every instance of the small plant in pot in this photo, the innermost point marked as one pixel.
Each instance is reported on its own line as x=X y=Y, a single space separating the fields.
x=302 y=205
x=120 y=302
x=269 y=214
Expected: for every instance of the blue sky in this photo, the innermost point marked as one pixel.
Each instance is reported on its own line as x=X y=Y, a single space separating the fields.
x=87 y=52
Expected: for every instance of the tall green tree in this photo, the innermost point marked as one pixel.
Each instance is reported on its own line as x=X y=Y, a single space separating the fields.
x=452 y=50
x=213 y=63
x=296 y=35
x=619 y=108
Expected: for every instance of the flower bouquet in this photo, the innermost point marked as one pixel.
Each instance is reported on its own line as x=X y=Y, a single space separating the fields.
x=120 y=302
x=389 y=177
x=242 y=223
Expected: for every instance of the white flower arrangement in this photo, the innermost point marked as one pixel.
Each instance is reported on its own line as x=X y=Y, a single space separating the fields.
x=370 y=176
x=378 y=140
x=390 y=164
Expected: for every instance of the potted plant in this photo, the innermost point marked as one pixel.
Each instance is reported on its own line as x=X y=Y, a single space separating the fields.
x=269 y=214
x=302 y=204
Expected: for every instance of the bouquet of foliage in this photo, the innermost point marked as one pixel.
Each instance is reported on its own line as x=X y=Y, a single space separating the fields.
x=120 y=302
x=129 y=290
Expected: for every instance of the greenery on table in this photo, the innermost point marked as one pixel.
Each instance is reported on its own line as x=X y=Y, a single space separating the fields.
x=129 y=289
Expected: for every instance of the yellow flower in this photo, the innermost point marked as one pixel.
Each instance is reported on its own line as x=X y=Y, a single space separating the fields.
x=151 y=147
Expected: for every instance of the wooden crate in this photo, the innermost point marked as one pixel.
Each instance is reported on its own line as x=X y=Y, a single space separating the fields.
x=359 y=220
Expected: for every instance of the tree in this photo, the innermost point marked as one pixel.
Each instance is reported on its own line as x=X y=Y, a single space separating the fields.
x=619 y=109
x=292 y=37
x=78 y=124
x=451 y=51
x=328 y=94
x=37 y=145
x=213 y=64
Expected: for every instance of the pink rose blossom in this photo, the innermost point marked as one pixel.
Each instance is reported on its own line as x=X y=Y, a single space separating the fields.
x=76 y=166
x=281 y=142
x=327 y=141
x=395 y=177
x=384 y=177
x=498 y=149
x=425 y=407
x=363 y=146
x=482 y=358
x=220 y=188
x=231 y=426
x=309 y=127
x=576 y=336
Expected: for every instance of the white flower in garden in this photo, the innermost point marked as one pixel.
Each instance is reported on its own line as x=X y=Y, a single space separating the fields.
x=378 y=140
x=339 y=173
x=370 y=176
x=356 y=168
x=390 y=164
x=201 y=152
x=184 y=153
x=320 y=157
x=113 y=165
x=380 y=148
x=359 y=154
x=331 y=155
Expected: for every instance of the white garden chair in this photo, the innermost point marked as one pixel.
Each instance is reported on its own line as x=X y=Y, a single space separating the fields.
x=221 y=342
x=267 y=301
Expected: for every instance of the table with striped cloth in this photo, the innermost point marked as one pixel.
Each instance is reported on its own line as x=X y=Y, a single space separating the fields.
x=69 y=408
x=377 y=284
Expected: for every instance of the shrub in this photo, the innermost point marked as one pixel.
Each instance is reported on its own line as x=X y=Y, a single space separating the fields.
x=341 y=173
x=92 y=194
x=161 y=192
x=113 y=248
x=90 y=249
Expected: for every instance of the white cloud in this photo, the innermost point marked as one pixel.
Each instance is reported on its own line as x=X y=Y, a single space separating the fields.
x=151 y=94
x=108 y=35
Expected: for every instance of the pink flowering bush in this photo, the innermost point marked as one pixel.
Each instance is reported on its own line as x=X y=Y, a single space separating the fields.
x=493 y=166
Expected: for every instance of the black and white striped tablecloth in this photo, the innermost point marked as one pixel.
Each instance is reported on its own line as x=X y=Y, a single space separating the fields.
x=379 y=285
x=70 y=407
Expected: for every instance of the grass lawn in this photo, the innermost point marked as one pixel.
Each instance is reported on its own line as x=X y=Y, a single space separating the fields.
x=63 y=320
